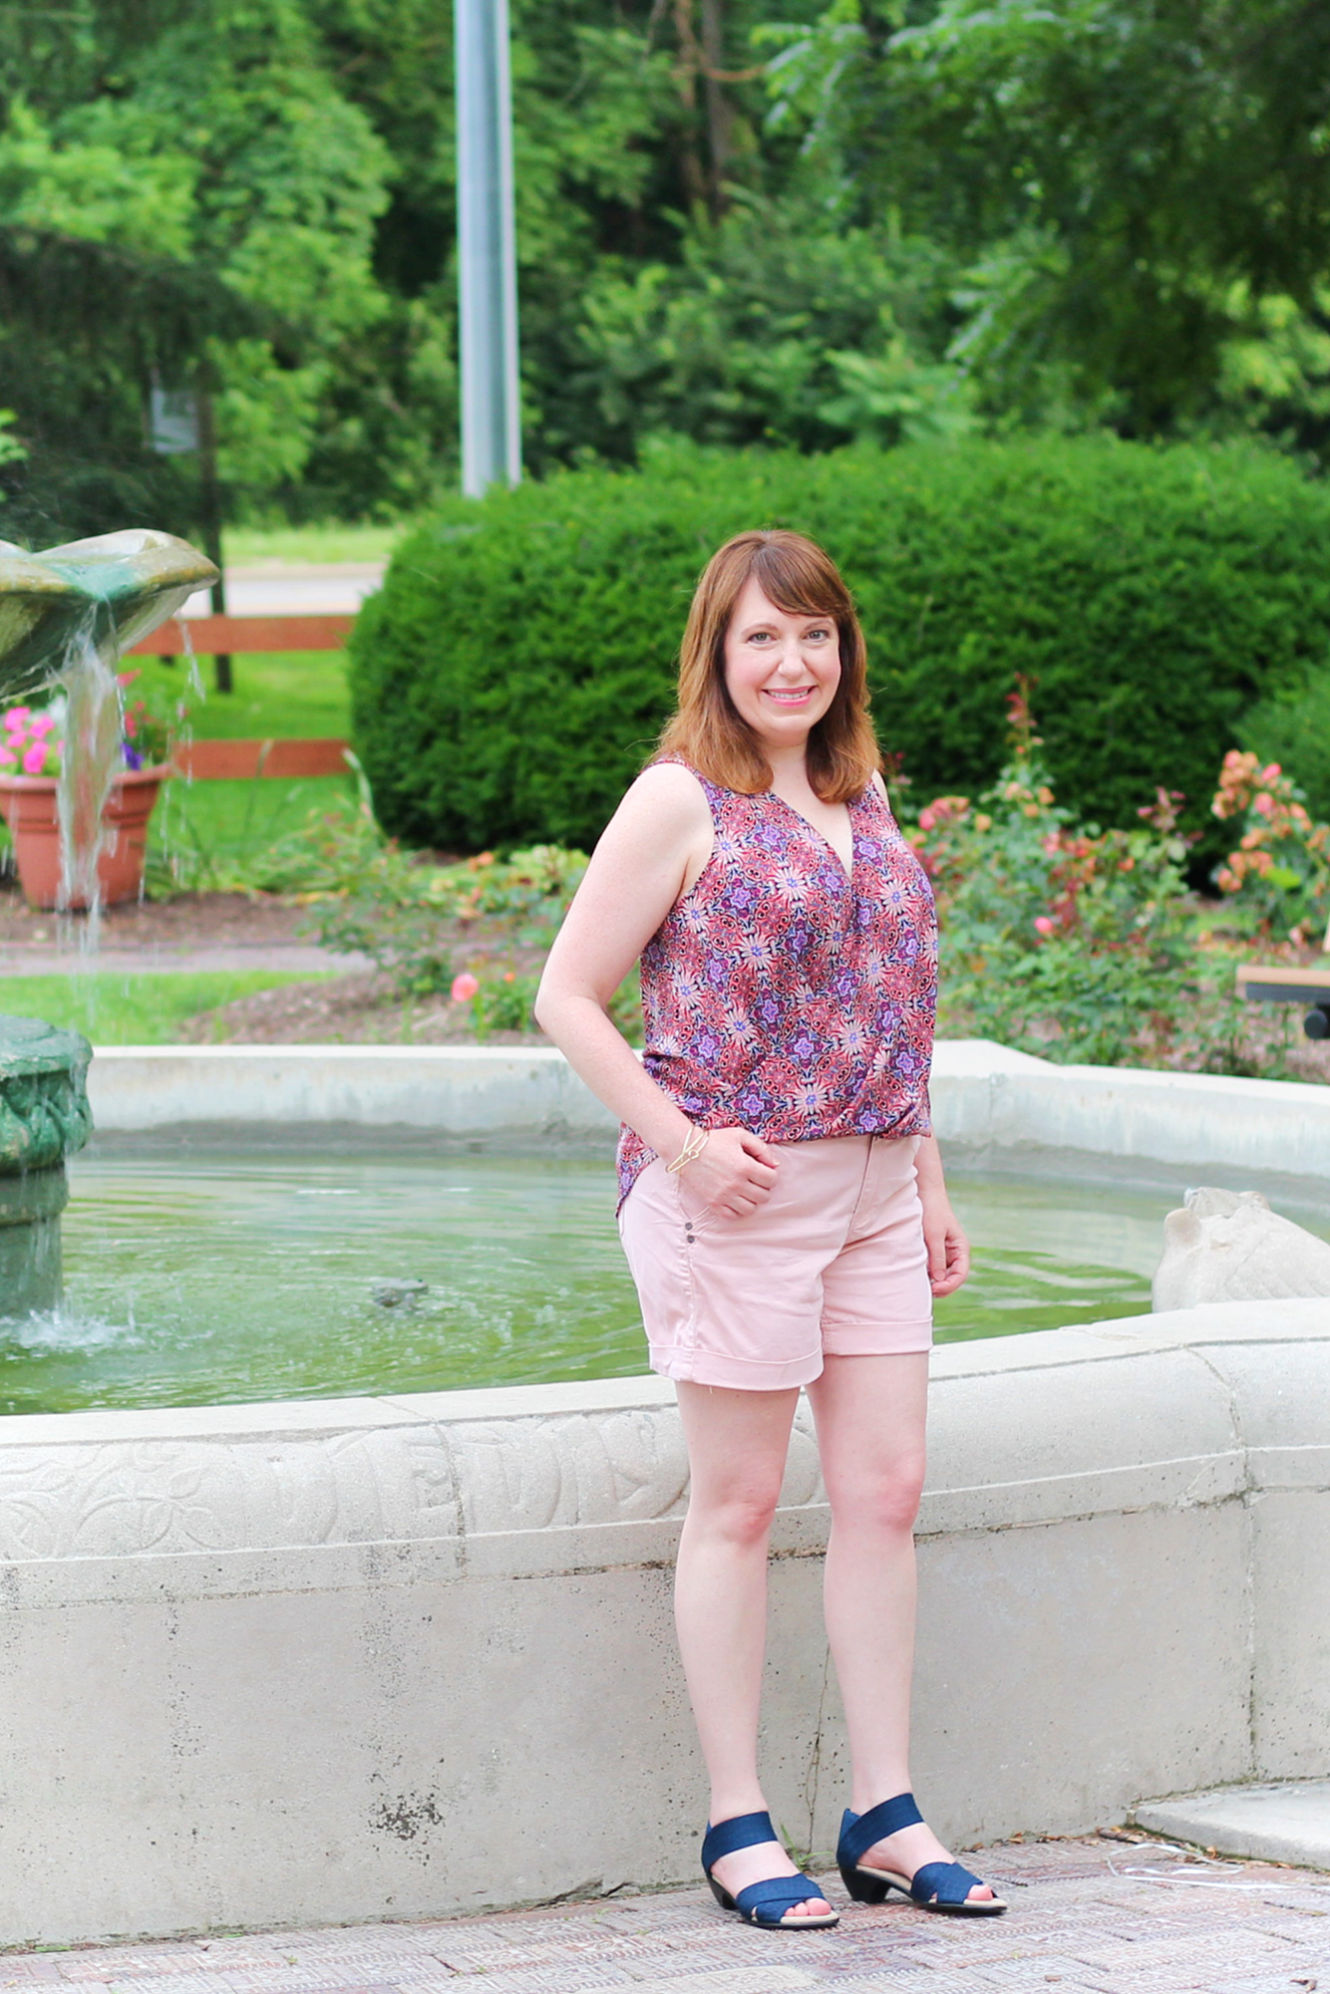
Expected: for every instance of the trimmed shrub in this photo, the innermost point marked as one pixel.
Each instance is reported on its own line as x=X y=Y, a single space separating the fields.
x=515 y=668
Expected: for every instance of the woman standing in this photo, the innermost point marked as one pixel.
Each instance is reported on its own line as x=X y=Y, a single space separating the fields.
x=782 y=1202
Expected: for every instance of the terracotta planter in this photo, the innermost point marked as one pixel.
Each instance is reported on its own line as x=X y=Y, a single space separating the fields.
x=28 y=805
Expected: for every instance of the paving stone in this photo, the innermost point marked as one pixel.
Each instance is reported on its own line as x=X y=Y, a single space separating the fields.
x=1089 y=1917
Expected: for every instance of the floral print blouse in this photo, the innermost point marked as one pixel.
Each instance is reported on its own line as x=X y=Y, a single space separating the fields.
x=782 y=994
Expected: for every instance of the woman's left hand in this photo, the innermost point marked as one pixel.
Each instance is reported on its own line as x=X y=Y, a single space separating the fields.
x=948 y=1248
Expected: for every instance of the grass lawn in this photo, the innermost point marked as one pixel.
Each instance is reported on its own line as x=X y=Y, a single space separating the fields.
x=292 y=696
x=220 y=829
x=144 y=1009
x=247 y=546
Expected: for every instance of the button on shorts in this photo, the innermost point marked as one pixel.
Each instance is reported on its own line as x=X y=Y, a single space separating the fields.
x=833 y=1263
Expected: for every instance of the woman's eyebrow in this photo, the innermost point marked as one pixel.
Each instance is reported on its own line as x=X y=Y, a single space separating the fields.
x=798 y=615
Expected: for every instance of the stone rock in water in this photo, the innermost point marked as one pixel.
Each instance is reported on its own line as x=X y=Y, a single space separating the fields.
x=398 y=1294
x=1228 y=1246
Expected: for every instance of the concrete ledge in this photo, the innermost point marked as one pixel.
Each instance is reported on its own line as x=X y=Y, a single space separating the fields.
x=1289 y=1822
x=310 y=1662
x=998 y=1108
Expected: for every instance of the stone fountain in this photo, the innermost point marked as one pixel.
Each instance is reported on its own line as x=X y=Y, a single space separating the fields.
x=66 y=614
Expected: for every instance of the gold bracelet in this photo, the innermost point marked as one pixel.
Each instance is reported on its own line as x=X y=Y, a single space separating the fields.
x=694 y=1143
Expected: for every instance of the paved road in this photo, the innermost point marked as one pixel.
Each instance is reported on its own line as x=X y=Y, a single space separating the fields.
x=283 y=589
x=1099 y=1916
x=293 y=958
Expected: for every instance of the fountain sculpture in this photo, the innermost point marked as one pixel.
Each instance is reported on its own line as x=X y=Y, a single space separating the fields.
x=66 y=614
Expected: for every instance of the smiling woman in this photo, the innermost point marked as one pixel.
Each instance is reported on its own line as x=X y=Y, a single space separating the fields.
x=782 y=1206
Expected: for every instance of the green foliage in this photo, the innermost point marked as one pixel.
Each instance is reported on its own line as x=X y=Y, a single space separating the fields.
x=851 y=221
x=12 y=451
x=1113 y=168
x=392 y=905
x=516 y=668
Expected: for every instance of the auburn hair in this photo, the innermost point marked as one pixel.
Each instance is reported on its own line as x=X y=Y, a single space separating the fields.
x=707 y=732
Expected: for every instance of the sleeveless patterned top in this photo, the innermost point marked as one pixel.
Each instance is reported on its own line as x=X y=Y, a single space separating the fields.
x=785 y=996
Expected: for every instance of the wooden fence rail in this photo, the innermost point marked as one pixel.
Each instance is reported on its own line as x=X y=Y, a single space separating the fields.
x=212 y=636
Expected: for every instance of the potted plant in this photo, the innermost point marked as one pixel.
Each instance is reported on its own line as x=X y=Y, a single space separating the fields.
x=31 y=754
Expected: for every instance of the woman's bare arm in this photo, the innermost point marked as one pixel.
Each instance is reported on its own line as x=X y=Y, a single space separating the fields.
x=635 y=876
x=654 y=847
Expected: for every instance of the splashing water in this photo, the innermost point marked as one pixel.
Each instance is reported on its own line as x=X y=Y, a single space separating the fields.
x=88 y=767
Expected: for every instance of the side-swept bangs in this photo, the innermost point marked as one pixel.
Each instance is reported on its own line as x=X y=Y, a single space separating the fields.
x=707 y=732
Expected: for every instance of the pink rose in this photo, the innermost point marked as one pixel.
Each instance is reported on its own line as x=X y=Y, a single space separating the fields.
x=464 y=988
x=1044 y=926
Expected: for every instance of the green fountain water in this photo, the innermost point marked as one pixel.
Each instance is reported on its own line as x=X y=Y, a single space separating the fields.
x=66 y=614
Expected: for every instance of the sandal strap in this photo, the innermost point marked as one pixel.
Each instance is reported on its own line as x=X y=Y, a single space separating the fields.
x=949 y=1882
x=858 y=1832
x=777 y=1895
x=741 y=1831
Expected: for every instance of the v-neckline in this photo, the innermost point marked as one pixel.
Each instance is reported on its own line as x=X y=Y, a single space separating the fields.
x=822 y=837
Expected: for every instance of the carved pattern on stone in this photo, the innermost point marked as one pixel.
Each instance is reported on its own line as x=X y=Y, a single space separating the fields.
x=426 y=1482
x=44 y=1117
x=139 y=1498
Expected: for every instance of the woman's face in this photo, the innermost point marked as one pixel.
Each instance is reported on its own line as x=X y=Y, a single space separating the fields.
x=781 y=668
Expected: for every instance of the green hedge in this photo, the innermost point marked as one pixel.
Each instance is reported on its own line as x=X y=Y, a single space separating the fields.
x=513 y=671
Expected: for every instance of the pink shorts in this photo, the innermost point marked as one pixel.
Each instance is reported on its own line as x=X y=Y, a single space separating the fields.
x=832 y=1264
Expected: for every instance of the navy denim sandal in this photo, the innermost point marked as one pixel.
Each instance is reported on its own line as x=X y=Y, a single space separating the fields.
x=766 y=1903
x=937 y=1886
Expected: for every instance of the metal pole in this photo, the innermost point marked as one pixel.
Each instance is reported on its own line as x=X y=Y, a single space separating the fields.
x=487 y=249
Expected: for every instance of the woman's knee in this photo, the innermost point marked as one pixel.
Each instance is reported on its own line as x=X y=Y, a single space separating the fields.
x=740 y=1511
x=885 y=1499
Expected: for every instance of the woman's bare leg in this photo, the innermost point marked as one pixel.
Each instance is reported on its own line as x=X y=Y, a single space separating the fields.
x=737 y=1443
x=870 y=1414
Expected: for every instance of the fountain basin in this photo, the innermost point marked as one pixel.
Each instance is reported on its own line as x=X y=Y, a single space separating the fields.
x=312 y=1661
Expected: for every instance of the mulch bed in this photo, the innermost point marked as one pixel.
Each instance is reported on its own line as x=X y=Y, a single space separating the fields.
x=359 y=1009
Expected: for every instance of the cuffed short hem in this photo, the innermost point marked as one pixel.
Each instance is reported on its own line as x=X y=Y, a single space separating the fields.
x=737 y=1374
x=875 y=1339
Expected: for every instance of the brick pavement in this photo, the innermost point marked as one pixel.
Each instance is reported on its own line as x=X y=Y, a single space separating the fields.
x=1102 y=1915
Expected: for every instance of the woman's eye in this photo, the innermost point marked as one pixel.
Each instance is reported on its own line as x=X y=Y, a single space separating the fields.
x=818 y=636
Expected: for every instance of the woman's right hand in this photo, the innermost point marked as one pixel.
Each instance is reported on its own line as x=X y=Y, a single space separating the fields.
x=734 y=1173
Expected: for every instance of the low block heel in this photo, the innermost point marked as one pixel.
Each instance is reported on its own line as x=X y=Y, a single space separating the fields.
x=863 y=1888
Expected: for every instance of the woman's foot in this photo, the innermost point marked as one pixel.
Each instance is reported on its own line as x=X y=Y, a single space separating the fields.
x=909 y=1849
x=761 y=1863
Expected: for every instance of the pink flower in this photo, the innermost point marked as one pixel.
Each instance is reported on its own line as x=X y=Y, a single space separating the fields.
x=34 y=758
x=1044 y=926
x=7 y=761
x=464 y=988
x=926 y=820
x=42 y=724
x=1264 y=803
x=1270 y=774
x=16 y=718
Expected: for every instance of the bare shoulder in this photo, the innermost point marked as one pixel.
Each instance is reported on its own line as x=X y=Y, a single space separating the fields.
x=666 y=803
